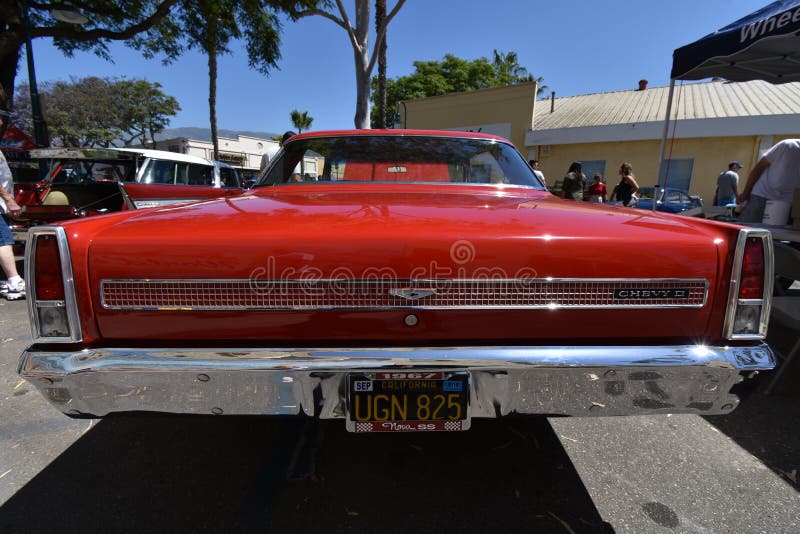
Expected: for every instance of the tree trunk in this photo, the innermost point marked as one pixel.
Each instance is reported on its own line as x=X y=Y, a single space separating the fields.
x=212 y=91
x=361 y=52
x=8 y=73
x=12 y=36
x=380 y=21
x=362 y=92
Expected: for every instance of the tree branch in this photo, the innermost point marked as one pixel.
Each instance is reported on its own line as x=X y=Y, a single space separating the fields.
x=394 y=11
x=382 y=35
x=68 y=33
x=349 y=27
x=321 y=13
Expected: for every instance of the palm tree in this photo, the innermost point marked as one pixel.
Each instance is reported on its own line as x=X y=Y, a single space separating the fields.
x=300 y=120
x=508 y=71
x=380 y=22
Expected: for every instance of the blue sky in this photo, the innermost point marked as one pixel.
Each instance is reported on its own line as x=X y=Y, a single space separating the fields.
x=578 y=47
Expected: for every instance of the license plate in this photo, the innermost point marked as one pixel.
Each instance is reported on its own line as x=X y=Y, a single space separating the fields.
x=408 y=401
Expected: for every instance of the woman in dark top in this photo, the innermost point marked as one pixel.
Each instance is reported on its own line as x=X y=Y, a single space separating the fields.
x=627 y=185
x=574 y=182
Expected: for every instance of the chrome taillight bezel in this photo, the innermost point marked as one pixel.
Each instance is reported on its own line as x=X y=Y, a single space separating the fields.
x=70 y=303
x=733 y=292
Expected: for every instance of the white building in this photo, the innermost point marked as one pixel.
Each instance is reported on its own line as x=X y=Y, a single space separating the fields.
x=245 y=153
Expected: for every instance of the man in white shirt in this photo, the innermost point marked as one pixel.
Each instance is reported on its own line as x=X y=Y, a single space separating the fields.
x=14 y=288
x=775 y=177
x=534 y=163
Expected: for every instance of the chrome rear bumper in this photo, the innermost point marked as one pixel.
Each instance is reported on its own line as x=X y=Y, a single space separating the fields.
x=578 y=381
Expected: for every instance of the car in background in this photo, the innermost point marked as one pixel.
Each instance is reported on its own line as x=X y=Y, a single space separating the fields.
x=423 y=279
x=670 y=200
x=80 y=182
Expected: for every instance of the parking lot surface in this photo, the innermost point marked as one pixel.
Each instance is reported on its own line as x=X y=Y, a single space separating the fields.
x=137 y=473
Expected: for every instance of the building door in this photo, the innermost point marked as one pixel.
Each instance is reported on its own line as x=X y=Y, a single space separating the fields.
x=680 y=173
x=590 y=167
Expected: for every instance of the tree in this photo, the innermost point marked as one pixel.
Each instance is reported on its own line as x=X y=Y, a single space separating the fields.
x=455 y=75
x=144 y=110
x=300 y=120
x=380 y=17
x=92 y=111
x=212 y=26
x=509 y=72
x=359 y=40
x=107 y=22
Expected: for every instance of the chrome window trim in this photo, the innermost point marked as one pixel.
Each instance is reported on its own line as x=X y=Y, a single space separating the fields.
x=411 y=304
x=733 y=290
x=436 y=135
x=70 y=301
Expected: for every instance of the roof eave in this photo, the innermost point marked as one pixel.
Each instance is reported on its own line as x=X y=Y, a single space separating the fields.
x=686 y=128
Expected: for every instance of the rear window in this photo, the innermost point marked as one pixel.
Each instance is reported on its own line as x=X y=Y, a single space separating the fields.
x=228 y=177
x=177 y=173
x=399 y=159
x=76 y=171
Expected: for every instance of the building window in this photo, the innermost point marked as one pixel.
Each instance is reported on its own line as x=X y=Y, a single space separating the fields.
x=174 y=148
x=591 y=167
x=678 y=173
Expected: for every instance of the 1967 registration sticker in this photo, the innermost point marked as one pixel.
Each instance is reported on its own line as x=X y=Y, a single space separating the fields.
x=408 y=401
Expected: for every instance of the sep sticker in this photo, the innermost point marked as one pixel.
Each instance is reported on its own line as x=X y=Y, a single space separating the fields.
x=362 y=385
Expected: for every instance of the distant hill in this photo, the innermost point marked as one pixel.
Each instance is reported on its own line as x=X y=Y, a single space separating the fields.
x=204 y=134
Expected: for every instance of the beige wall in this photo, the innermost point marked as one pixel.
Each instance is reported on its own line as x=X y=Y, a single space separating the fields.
x=711 y=157
x=505 y=111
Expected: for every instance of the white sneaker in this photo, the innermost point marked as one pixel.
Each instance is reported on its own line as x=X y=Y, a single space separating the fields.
x=15 y=293
x=3 y=288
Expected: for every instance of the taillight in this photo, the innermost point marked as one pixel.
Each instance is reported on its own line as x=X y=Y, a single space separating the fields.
x=51 y=293
x=751 y=286
x=751 y=281
x=48 y=281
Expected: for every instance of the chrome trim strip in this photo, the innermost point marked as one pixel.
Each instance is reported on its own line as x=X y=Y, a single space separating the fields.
x=570 y=380
x=733 y=291
x=143 y=203
x=70 y=301
x=746 y=358
x=358 y=286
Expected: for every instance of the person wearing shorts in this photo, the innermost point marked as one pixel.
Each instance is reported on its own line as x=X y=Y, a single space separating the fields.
x=14 y=287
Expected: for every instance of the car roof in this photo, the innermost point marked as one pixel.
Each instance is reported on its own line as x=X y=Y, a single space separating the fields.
x=223 y=165
x=78 y=153
x=167 y=155
x=401 y=133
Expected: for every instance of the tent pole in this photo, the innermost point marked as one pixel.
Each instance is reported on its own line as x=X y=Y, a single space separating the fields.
x=663 y=150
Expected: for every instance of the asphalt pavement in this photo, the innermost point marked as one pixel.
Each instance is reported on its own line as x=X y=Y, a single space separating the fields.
x=143 y=473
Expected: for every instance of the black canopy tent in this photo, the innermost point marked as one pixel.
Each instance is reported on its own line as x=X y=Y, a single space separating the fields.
x=764 y=45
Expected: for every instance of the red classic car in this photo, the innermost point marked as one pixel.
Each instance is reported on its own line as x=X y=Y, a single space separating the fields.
x=423 y=279
x=90 y=181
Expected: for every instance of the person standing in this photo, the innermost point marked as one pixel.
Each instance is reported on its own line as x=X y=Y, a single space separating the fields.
x=14 y=287
x=574 y=182
x=627 y=186
x=597 y=189
x=728 y=185
x=534 y=163
x=775 y=177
